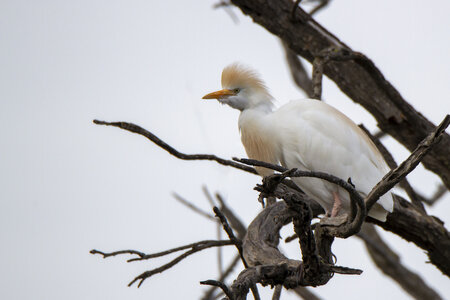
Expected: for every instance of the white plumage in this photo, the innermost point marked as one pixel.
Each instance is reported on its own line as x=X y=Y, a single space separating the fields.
x=305 y=134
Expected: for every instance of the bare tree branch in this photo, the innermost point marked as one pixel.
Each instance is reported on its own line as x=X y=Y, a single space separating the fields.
x=193 y=207
x=360 y=79
x=305 y=293
x=195 y=247
x=218 y=230
x=357 y=77
x=427 y=233
x=220 y=285
x=412 y=194
x=277 y=292
x=226 y=6
x=141 y=131
x=209 y=294
x=234 y=220
x=322 y=4
x=389 y=263
x=106 y=254
x=394 y=176
x=269 y=266
x=298 y=71
x=237 y=243
x=440 y=191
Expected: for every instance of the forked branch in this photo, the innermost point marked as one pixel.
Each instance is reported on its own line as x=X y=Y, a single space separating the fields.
x=428 y=233
x=194 y=248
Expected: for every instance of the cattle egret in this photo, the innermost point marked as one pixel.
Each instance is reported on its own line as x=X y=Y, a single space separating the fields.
x=308 y=135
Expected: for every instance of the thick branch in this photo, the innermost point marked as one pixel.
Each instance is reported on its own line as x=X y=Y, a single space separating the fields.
x=359 y=78
x=389 y=263
x=358 y=206
x=427 y=233
x=269 y=266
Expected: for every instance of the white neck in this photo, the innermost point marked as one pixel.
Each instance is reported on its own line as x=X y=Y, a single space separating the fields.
x=257 y=137
x=255 y=116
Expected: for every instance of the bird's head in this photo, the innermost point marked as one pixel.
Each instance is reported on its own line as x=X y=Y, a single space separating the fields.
x=242 y=89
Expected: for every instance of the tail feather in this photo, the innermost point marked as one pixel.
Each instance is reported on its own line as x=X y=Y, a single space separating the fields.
x=378 y=212
x=382 y=208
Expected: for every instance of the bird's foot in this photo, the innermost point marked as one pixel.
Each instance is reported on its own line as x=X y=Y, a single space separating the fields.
x=337 y=204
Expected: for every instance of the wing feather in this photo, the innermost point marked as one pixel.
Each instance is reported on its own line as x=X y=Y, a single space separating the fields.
x=325 y=140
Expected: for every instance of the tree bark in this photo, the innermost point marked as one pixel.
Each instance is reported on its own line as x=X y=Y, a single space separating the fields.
x=357 y=77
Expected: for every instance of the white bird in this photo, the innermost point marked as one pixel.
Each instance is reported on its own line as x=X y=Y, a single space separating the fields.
x=308 y=135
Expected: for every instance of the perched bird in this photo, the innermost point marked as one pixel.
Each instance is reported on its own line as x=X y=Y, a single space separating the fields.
x=308 y=135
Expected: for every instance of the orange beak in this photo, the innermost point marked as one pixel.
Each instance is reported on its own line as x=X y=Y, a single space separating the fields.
x=219 y=94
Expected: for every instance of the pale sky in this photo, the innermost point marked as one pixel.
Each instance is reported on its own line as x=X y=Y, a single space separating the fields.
x=68 y=186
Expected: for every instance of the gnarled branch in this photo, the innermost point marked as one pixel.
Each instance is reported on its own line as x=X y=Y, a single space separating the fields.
x=427 y=233
x=357 y=77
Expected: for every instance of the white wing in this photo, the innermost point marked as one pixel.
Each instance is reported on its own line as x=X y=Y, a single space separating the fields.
x=317 y=137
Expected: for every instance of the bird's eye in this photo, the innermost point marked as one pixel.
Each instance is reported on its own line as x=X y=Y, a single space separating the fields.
x=236 y=90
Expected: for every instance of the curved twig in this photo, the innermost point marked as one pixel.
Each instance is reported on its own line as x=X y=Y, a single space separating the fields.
x=394 y=176
x=357 y=77
x=428 y=233
x=139 y=130
x=195 y=247
x=219 y=284
x=358 y=213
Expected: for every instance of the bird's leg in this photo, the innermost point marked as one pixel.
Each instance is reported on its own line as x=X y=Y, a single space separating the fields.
x=337 y=204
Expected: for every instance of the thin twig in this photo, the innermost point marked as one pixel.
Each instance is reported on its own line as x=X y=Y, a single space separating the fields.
x=208 y=196
x=294 y=8
x=357 y=201
x=394 y=176
x=320 y=6
x=440 y=191
x=298 y=71
x=193 y=207
x=413 y=195
x=218 y=229
x=142 y=277
x=208 y=295
x=318 y=64
x=379 y=134
x=291 y=238
x=141 y=131
x=226 y=6
x=305 y=293
x=105 y=254
x=143 y=256
x=277 y=292
x=237 y=243
x=235 y=222
x=219 y=284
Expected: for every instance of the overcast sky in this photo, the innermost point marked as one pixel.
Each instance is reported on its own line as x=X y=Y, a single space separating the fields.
x=68 y=186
